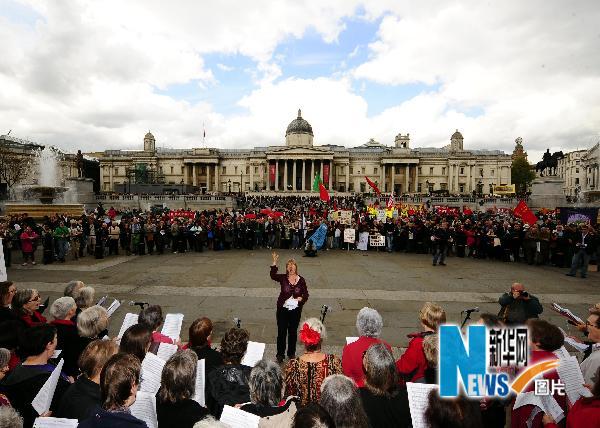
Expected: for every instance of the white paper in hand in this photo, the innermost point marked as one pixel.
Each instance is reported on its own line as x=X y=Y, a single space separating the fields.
x=165 y=350
x=113 y=307
x=42 y=401
x=290 y=304
x=200 y=383
x=172 y=325
x=55 y=423
x=581 y=347
x=418 y=401
x=254 y=354
x=350 y=340
x=56 y=353
x=130 y=319
x=144 y=408
x=152 y=367
x=571 y=375
x=236 y=418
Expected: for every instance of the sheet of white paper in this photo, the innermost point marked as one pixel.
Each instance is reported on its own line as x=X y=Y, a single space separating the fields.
x=165 y=350
x=254 y=354
x=567 y=312
x=526 y=398
x=172 y=325
x=581 y=347
x=562 y=353
x=200 y=383
x=55 y=423
x=545 y=402
x=570 y=373
x=418 y=401
x=56 y=353
x=552 y=408
x=144 y=408
x=113 y=307
x=290 y=304
x=236 y=418
x=43 y=399
x=152 y=367
x=350 y=340
x=129 y=320
x=102 y=300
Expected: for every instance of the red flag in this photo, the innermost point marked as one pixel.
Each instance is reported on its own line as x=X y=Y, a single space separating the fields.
x=390 y=202
x=523 y=211
x=323 y=193
x=373 y=185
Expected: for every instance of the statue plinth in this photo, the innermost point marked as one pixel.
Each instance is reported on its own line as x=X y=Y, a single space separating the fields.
x=547 y=192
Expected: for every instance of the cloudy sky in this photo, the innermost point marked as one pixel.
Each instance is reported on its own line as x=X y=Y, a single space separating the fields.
x=99 y=74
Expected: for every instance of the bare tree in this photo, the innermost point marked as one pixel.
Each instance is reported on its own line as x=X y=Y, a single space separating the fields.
x=14 y=166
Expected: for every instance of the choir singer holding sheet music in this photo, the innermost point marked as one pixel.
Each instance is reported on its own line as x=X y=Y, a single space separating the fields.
x=293 y=296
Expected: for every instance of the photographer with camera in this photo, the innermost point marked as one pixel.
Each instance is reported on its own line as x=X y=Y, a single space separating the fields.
x=518 y=305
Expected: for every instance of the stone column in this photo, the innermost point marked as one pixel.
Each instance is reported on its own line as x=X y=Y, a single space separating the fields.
x=276 y=174
x=251 y=177
x=416 y=178
x=348 y=177
x=381 y=179
x=393 y=176
x=194 y=176
x=449 y=178
x=208 y=186
x=469 y=187
x=321 y=169
x=312 y=174
x=111 y=170
x=330 y=174
x=217 y=180
x=294 y=185
x=285 y=175
x=406 y=178
x=303 y=175
x=457 y=178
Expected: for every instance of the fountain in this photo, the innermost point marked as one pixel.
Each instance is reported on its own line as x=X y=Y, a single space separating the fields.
x=47 y=196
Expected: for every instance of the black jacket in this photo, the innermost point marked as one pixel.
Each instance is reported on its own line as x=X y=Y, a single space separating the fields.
x=386 y=411
x=68 y=339
x=80 y=400
x=104 y=419
x=22 y=385
x=517 y=311
x=227 y=384
x=182 y=414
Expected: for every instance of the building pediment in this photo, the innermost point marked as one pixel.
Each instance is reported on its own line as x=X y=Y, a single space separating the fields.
x=278 y=152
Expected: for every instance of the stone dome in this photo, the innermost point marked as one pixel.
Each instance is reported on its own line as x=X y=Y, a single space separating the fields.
x=299 y=126
x=457 y=135
x=149 y=135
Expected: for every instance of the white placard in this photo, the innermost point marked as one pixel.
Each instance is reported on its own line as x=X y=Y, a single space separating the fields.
x=152 y=367
x=200 y=383
x=345 y=217
x=56 y=353
x=172 y=326
x=381 y=215
x=254 y=354
x=129 y=320
x=236 y=418
x=350 y=340
x=113 y=307
x=144 y=408
x=3 y=275
x=165 y=350
x=377 y=240
x=363 y=241
x=42 y=401
x=418 y=401
x=349 y=236
x=55 y=423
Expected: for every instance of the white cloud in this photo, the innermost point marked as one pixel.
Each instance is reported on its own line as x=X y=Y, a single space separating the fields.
x=88 y=74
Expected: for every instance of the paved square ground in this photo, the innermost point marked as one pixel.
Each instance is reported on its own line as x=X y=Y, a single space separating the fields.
x=228 y=284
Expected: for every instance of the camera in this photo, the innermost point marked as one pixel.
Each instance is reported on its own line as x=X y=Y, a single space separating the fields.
x=524 y=293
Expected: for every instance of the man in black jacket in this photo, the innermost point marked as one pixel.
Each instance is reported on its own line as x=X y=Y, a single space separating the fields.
x=585 y=245
x=518 y=305
x=439 y=239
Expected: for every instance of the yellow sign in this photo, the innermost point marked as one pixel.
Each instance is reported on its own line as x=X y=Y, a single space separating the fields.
x=504 y=190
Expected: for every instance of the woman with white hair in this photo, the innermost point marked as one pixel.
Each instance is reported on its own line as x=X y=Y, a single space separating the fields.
x=340 y=398
x=305 y=374
x=369 y=325
x=9 y=418
x=92 y=324
x=384 y=400
x=266 y=392
x=85 y=298
x=62 y=310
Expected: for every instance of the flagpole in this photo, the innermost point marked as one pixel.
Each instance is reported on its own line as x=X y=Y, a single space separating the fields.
x=203 y=136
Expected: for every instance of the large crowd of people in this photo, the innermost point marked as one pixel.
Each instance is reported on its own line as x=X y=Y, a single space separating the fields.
x=364 y=387
x=288 y=222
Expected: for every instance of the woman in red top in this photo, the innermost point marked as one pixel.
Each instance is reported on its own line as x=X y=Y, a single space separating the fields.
x=292 y=297
x=412 y=364
x=369 y=324
x=27 y=239
x=26 y=304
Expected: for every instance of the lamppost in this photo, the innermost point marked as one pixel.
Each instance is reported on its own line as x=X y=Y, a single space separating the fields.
x=229 y=184
x=181 y=186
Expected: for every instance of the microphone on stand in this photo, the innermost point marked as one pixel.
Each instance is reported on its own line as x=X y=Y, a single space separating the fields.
x=142 y=305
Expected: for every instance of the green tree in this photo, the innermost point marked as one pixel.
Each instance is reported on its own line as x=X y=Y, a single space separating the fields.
x=521 y=174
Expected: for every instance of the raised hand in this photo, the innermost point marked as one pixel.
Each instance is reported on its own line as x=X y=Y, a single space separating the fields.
x=275 y=258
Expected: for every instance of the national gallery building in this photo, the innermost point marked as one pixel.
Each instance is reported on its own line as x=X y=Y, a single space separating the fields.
x=293 y=166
